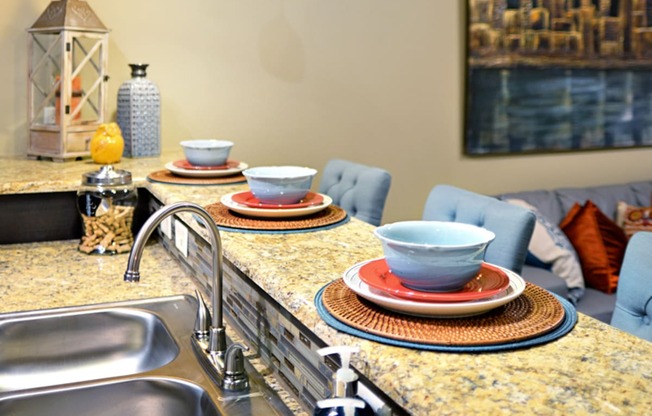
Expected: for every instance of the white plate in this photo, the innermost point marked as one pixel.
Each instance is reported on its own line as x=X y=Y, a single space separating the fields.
x=433 y=309
x=194 y=173
x=276 y=212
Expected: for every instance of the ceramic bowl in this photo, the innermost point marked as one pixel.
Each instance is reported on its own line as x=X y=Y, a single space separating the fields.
x=436 y=256
x=279 y=184
x=207 y=152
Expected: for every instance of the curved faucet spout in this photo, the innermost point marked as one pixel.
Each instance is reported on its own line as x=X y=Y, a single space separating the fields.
x=132 y=274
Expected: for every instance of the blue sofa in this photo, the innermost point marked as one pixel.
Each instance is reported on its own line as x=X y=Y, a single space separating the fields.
x=553 y=205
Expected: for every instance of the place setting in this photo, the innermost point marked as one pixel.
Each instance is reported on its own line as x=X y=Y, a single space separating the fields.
x=278 y=200
x=206 y=163
x=433 y=290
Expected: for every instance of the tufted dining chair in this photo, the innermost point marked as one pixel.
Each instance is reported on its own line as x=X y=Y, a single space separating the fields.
x=513 y=225
x=359 y=189
x=634 y=296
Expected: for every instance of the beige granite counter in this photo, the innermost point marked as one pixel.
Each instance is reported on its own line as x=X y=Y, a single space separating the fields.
x=56 y=274
x=595 y=369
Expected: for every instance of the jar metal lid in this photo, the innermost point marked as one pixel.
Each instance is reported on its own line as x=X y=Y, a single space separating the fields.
x=107 y=176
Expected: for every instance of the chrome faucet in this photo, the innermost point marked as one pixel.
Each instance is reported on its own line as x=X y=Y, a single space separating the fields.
x=209 y=335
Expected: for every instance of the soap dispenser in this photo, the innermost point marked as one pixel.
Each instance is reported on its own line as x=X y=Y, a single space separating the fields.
x=345 y=401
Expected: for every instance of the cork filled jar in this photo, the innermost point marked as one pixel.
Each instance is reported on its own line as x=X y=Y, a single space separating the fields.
x=106 y=201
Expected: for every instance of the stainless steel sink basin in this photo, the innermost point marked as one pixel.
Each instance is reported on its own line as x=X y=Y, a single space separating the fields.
x=123 y=358
x=70 y=347
x=140 y=397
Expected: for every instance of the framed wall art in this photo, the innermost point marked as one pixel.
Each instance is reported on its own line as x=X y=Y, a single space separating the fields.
x=558 y=75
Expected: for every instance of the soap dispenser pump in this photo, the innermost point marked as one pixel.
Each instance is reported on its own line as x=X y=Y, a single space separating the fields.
x=339 y=407
x=345 y=401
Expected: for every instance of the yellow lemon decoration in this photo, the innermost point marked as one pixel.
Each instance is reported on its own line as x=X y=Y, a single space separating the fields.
x=107 y=144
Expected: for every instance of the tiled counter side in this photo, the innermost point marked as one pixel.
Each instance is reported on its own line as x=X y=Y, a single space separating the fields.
x=595 y=369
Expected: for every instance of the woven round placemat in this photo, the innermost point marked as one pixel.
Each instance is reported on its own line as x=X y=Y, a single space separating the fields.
x=165 y=176
x=532 y=314
x=227 y=218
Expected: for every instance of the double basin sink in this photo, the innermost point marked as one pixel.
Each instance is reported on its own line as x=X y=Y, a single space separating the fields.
x=125 y=358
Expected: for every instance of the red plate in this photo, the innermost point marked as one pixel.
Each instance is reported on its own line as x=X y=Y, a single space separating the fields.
x=248 y=199
x=184 y=164
x=490 y=281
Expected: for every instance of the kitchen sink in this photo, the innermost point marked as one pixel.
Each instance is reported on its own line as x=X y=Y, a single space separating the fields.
x=139 y=397
x=132 y=357
x=67 y=347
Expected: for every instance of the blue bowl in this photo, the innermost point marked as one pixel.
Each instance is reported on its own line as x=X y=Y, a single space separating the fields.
x=279 y=185
x=207 y=152
x=434 y=256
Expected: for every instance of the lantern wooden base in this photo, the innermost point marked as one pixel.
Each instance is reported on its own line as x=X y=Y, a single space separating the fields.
x=53 y=145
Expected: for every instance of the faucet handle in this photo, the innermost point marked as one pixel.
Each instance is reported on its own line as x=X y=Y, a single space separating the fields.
x=203 y=321
x=235 y=377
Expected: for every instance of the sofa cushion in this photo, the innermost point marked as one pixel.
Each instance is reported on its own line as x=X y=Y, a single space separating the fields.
x=597 y=304
x=594 y=303
x=643 y=192
x=599 y=242
x=606 y=197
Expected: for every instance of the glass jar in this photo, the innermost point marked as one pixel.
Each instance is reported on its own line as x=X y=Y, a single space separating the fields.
x=106 y=201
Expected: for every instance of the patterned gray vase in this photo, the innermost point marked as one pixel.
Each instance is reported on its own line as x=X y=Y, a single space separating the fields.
x=139 y=114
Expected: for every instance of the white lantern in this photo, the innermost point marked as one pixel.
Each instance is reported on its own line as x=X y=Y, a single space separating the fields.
x=68 y=52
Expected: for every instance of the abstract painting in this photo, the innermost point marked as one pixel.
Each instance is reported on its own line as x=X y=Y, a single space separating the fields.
x=558 y=75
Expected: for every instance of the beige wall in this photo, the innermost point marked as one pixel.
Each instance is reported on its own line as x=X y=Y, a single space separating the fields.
x=302 y=81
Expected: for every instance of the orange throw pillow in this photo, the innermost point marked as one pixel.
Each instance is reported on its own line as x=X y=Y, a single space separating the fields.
x=600 y=245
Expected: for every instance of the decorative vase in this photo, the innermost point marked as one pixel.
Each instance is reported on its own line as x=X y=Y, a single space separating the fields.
x=139 y=114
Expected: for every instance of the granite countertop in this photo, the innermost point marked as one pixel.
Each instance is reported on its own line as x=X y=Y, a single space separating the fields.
x=595 y=369
x=55 y=274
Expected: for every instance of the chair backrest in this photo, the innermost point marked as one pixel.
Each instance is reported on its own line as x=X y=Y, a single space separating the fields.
x=634 y=295
x=513 y=225
x=360 y=190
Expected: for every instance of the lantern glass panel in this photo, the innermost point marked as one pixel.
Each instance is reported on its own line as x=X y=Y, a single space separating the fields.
x=46 y=64
x=86 y=98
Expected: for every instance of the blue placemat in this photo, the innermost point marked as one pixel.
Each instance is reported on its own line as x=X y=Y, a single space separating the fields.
x=569 y=321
